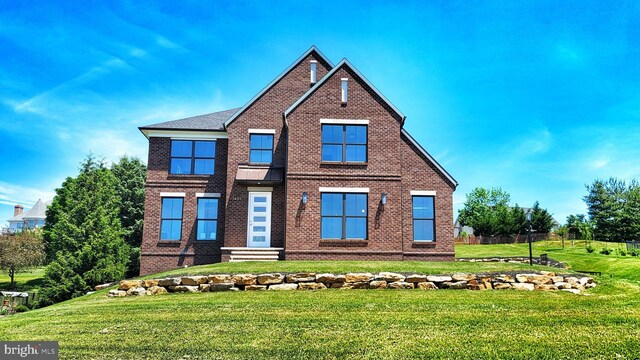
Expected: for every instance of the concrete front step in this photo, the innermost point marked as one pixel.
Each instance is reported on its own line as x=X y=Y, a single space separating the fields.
x=271 y=253
x=266 y=257
x=243 y=260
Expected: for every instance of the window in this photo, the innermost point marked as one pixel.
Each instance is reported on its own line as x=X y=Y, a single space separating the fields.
x=261 y=151
x=192 y=157
x=40 y=223
x=344 y=88
x=207 y=219
x=171 y=223
x=423 y=218
x=344 y=216
x=344 y=143
x=313 y=71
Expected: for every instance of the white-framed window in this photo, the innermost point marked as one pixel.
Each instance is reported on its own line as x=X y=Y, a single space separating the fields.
x=193 y=157
x=171 y=218
x=423 y=213
x=344 y=89
x=314 y=76
x=207 y=218
x=343 y=215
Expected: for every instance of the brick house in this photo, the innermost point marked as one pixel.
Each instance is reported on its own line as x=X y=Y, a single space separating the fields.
x=316 y=166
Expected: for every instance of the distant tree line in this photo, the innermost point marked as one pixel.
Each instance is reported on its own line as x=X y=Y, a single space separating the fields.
x=614 y=209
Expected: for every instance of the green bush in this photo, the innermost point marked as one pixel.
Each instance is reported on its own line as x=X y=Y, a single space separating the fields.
x=4 y=311
x=635 y=252
x=590 y=248
x=606 y=251
x=622 y=252
x=20 y=308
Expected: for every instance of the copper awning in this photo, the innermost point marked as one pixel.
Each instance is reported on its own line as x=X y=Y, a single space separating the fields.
x=259 y=175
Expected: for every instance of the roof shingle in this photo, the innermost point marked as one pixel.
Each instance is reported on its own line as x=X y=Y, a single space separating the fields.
x=211 y=121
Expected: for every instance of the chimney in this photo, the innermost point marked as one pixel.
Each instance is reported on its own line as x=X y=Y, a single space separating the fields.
x=17 y=210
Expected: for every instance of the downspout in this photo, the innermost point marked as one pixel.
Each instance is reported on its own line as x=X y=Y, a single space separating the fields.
x=286 y=167
x=402 y=187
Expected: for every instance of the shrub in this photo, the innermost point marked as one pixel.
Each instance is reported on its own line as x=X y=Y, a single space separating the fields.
x=606 y=251
x=622 y=252
x=20 y=308
x=635 y=252
x=590 y=248
x=4 y=311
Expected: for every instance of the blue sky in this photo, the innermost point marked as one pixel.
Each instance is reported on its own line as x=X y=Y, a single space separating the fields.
x=537 y=97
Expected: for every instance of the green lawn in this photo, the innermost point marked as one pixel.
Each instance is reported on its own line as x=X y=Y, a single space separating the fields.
x=25 y=281
x=353 y=324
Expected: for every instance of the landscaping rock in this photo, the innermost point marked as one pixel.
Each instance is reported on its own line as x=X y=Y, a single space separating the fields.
x=476 y=285
x=389 y=277
x=546 y=287
x=137 y=291
x=400 y=285
x=103 y=286
x=358 y=277
x=220 y=279
x=194 y=280
x=203 y=287
x=487 y=283
x=255 y=287
x=523 y=286
x=149 y=283
x=244 y=279
x=426 y=285
x=416 y=278
x=378 y=284
x=341 y=285
x=454 y=285
x=573 y=291
x=590 y=285
x=505 y=279
x=283 y=287
x=463 y=277
x=557 y=279
x=583 y=281
x=128 y=284
x=439 y=279
x=117 y=293
x=571 y=280
x=311 y=286
x=522 y=278
x=301 y=277
x=328 y=278
x=183 y=288
x=221 y=287
x=548 y=273
x=539 y=279
x=562 y=285
x=169 y=282
x=156 y=290
x=502 y=286
x=270 y=279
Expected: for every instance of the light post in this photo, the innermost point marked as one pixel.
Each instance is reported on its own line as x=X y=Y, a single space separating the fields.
x=529 y=238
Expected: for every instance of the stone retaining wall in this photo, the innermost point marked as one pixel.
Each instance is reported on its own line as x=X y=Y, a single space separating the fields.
x=544 y=281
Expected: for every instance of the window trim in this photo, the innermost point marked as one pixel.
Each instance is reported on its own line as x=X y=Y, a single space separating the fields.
x=344 y=217
x=193 y=156
x=273 y=139
x=162 y=219
x=344 y=144
x=413 y=219
x=198 y=219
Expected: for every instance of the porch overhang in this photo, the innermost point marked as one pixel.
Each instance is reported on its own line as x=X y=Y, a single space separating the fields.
x=259 y=175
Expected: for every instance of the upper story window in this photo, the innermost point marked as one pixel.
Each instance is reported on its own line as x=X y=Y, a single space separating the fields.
x=344 y=87
x=261 y=148
x=195 y=157
x=171 y=219
x=344 y=216
x=313 y=71
x=207 y=219
x=344 y=143
x=423 y=218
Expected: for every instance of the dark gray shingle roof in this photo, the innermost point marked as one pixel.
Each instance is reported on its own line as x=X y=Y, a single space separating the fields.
x=212 y=121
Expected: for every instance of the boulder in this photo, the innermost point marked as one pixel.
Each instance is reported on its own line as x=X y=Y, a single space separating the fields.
x=573 y=291
x=301 y=277
x=539 y=279
x=183 y=288
x=283 y=287
x=244 y=279
x=103 y=286
x=203 y=287
x=454 y=285
x=426 y=285
x=169 y=282
x=328 y=278
x=505 y=279
x=557 y=279
x=311 y=286
x=545 y=287
x=486 y=282
x=400 y=285
x=117 y=293
x=523 y=286
x=255 y=287
x=522 y=278
x=416 y=278
x=194 y=280
x=270 y=279
x=137 y=291
x=548 y=273
x=389 y=277
x=219 y=278
x=463 y=277
x=590 y=285
x=502 y=286
x=358 y=277
x=439 y=279
x=149 y=283
x=156 y=290
x=221 y=287
x=562 y=285
x=128 y=284
x=341 y=285
x=475 y=285
x=583 y=280
x=571 y=280
x=378 y=284
x=577 y=286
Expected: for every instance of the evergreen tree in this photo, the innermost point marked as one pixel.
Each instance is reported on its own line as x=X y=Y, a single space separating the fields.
x=541 y=220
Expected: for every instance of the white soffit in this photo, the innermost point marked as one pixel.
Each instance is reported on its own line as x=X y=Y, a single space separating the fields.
x=187 y=135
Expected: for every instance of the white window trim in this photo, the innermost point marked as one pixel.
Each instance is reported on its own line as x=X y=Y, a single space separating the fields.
x=262 y=131
x=208 y=195
x=343 y=190
x=345 y=121
x=259 y=189
x=172 y=194
x=423 y=193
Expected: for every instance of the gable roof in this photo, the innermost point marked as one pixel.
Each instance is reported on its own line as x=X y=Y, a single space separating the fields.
x=37 y=212
x=344 y=62
x=211 y=121
x=275 y=81
x=429 y=157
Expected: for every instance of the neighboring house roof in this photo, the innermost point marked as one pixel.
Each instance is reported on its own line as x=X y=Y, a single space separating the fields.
x=19 y=217
x=344 y=62
x=37 y=212
x=428 y=156
x=211 y=121
x=275 y=81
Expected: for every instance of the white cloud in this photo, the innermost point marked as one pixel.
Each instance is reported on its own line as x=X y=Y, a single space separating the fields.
x=12 y=194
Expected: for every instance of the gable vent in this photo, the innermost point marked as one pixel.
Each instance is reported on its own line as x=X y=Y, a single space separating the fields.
x=314 y=76
x=344 y=82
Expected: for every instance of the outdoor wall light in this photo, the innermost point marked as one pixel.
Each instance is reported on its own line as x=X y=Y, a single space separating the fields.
x=305 y=198
x=383 y=198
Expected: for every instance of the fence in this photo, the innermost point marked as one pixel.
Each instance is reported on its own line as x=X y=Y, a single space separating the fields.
x=633 y=245
x=17 y=298
x=472 y=240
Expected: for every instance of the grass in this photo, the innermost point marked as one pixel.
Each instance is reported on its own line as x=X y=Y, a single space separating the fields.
x=354 y=324
x=24 y=281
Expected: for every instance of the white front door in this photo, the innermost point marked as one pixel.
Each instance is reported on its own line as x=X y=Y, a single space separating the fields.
x=259 y=222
